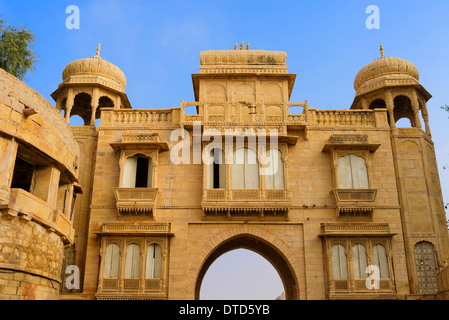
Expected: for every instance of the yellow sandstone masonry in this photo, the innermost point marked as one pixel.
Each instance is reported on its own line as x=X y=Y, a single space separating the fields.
x=343 y=191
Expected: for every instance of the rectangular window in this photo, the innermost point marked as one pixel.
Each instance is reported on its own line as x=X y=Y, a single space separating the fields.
x=138 y=172
x=22 y=175
x=142 y=173
x=352 y=173
x=245 y=169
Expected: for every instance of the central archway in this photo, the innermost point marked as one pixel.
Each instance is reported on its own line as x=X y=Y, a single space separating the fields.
x=258 y=245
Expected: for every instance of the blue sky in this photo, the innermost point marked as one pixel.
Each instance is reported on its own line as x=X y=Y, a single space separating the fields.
x=157 y=45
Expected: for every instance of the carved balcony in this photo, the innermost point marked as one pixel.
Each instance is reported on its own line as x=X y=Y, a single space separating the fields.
x=245 y=204
x=136 y=201
x=357 y=203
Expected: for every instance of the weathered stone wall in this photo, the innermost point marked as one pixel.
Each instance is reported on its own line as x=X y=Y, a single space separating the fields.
x=33 y=228
x=30 y=259
x=47 y=130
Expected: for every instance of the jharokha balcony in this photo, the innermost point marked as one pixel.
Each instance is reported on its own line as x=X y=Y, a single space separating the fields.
x=134 y=201
x=245 y=204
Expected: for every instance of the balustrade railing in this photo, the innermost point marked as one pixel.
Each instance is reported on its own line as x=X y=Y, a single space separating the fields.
x=276 y=113
x=344 y=117
x=141 y=117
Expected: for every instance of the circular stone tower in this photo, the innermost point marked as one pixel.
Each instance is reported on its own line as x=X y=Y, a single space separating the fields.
x=38 y=186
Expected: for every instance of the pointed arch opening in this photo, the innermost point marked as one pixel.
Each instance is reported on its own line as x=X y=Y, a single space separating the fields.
x=403 y=112
x=82 y=108
x=103 y=102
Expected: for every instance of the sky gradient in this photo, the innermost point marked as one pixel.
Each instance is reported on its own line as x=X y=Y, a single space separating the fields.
x=157 y=45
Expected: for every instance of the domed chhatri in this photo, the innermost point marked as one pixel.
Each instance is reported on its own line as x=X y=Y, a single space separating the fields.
x=394 y=68
x=83 y=71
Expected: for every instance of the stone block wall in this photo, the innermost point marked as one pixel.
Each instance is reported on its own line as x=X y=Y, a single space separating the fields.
x=30 y=261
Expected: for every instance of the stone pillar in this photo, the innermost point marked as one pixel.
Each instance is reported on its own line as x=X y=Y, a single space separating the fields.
x=390 y=108
x=350 y=269
x=95 y=103
x=415 y=108
x=46 y=184
x=365 y=105
x=118 y=102
x=69 y=200
x=142 y=269
x=425 y=116
x=8 y=152
x=101 y=271
x=69 y=105
x=59 y=102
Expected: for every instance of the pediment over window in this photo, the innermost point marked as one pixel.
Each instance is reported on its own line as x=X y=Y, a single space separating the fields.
x=135 y=229
x=355 y=230
x=140 y=141
x=350 y=141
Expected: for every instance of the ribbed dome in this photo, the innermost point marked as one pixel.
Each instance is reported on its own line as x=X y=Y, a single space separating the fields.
x=95 y=66
x=385 y=66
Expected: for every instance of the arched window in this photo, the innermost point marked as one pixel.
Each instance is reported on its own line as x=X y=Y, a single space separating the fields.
x=112 y=262
x=359 y=261
x=153 y=264
x=132 y=262
x=352 y=172
x=380 y=259
x=216 y=171
x=138 y=172
x=274 y=172
x=245 y=169
x=339 y=262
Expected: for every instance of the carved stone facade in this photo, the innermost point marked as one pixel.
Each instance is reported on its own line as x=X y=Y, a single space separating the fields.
x=349 y=190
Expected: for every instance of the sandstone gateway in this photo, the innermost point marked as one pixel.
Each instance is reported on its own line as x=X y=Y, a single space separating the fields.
x=350 y=189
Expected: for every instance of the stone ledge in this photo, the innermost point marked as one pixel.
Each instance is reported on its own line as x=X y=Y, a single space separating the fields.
x=30 y=271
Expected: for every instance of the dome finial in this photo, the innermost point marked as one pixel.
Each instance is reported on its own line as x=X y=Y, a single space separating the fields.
x=242 y=46
x=236 y=46
x=98 y=49
x=382 y=51
x=248 y=47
